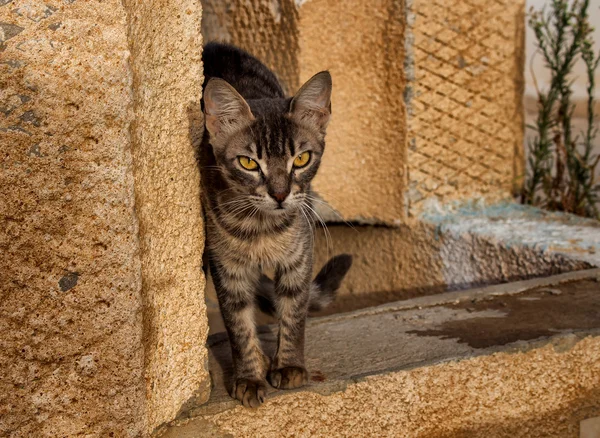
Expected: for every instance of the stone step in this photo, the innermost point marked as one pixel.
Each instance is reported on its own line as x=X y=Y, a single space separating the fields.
x=536 y=328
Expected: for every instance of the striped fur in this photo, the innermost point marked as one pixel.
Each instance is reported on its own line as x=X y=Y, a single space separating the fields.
x=263 y=219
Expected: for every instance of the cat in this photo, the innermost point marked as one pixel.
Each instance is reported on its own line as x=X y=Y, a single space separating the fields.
x=259 y=155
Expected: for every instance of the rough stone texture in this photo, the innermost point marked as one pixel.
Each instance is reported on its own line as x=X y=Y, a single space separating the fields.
x=513 y=370
x=535 y=394
x=364 y=168
x=464 y=99
x=425 y=330
x=166 y=47
x=71 y=352
x=363 y=171
x=453 y=247
x=267 y=28
x=514 y=225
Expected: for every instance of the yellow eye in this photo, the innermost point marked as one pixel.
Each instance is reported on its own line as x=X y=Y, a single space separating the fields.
x=302 y=159
x=248 y=163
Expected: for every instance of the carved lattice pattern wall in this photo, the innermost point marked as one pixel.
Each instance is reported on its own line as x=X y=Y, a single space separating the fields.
x=464 y=98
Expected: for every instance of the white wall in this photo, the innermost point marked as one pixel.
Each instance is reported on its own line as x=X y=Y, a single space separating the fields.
x=535 y=63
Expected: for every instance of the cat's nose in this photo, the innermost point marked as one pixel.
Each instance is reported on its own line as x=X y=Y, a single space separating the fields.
x=279 y=196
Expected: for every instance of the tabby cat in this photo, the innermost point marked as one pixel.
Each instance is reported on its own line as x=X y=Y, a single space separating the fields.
x=260 y=153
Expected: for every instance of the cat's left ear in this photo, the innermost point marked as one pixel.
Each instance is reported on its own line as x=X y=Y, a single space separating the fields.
x=312 y=103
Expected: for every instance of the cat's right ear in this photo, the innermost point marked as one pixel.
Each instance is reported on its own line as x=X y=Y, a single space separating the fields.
x=225 y=111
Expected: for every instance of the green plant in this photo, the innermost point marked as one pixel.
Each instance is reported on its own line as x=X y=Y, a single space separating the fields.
x=561 y=171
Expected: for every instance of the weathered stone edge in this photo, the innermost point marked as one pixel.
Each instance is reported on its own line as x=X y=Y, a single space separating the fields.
x=456 y=297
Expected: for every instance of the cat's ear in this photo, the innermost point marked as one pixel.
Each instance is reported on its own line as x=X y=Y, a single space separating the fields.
x=225 y=111
x=312 y=103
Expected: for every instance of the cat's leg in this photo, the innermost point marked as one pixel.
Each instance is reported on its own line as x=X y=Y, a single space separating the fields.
x=235 y=285
x=292 y=285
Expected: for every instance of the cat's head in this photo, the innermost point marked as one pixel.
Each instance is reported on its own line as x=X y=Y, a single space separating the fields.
x=269 y=159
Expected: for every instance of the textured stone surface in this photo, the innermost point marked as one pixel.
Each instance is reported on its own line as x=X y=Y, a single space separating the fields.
x=506 y=369
x=424 y=330
x=452 y=248
x=364 y=167
x=465 y=84
x=503 y=395
x=514 y=226
x=166 y=48
x=87 y=127
x=266 y=28
x=422 y=259
x=71 y=354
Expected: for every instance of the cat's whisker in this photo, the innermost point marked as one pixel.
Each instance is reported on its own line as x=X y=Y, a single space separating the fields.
x=310 y=225
x=232 y=208
x=241 y=209
x=236 y=200
x=233 y=201
x=328 y=238
x=253 y=213
x=303 y=206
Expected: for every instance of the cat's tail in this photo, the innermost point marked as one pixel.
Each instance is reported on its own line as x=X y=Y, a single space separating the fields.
x=322 y=289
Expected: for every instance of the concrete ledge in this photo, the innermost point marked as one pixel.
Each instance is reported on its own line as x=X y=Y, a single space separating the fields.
x=455 y=247
x=522 y=226
x=512 y=354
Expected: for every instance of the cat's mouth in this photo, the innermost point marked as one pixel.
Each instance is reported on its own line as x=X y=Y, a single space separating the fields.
x=280 y=209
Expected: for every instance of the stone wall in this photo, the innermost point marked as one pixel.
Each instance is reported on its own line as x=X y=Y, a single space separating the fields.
x=102 y=304
x=364 y=168
x=166 y=49
x=71 y=351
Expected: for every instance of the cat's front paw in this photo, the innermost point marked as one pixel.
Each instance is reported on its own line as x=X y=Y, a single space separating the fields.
x=288 y=377
x=251 y=392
